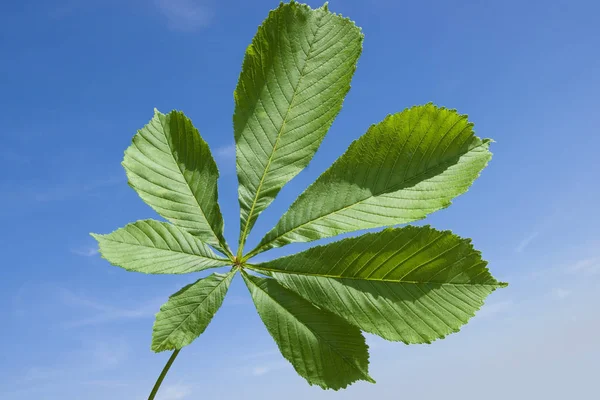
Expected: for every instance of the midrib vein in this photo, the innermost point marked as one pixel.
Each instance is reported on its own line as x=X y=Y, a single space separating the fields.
x=392 y=189
x=279 y=134
x=356 y=278
x=220 y=245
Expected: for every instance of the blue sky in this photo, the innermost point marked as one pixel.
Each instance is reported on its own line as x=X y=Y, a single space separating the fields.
x=78 y=78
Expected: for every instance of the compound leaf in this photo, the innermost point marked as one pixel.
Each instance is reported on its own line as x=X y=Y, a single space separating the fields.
x=189 y=311
x=412 y=284
x=155 y=247
x=323 y=348
x=405 y=167
x=295 y=75
x=170 y=166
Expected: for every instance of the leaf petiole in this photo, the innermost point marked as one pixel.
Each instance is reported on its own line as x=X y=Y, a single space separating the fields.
x=162 y=375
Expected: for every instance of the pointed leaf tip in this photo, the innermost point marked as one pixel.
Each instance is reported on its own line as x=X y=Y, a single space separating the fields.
x=411 y=284
x=172 y=169
x=282 y=114
x=379 y=182
x=336 y=354
x=155 y=247
x=187 y=313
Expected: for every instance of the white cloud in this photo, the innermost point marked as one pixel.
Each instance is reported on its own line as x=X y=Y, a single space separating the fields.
x=263 y=362
x=85 y=252
x=88 y=358
x=587 y=266
x=100 y=313
x=18 y=197
x=185 y=15
x=176 y=391
x=225 y=156
x=106 y=383
x=260 y=370
x=561 y=293
x=263 y=369
x=261 y=354
x=107 y=355
x=526 y=241
x=494 y=308
x=68 y=191
x=227 y=152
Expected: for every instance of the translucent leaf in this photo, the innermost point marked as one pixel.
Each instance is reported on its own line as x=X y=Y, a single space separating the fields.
x=155 y=247
x=405 y=167
x=294 y=78
x=412 y=284
x=188 y=312
x=323 y=348
x=170 y=166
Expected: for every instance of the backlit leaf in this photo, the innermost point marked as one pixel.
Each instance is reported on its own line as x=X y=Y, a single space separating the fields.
x=170 y=166
x=412 y=284
x=188 y=312
x=155 y=247
x=405 y=167
x=323 y=348
x=294 y=78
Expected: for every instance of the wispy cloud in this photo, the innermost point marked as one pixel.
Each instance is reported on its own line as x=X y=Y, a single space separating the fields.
x=526 y=242
x=66 y=191
x=264 y=369
x=106 y=383
x=85 y=251
x=561 y=293
x=495 y=308
x=185 y=15
x=226 y=152
x=260 y=354
x=100 y=313
x=260 y=370
x=45 y=193
x=92 y=356
x=263 y=362
x=587 y=266
x=225 y=156
x=176 y=391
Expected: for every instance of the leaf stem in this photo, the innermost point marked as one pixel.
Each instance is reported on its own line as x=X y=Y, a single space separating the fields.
x=163 y=374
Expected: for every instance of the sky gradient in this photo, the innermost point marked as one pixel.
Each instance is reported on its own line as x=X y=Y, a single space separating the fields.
x=78 y=78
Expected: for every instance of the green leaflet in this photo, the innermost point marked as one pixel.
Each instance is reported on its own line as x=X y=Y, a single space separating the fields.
x=154 y=247
x=170 y=166
x=412 y=284
x=189 y=311
x=405 y=167
x=295 y=75
x=324 y=349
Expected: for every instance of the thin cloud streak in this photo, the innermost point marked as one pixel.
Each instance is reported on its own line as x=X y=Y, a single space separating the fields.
x=176 y=391
x=185 y=15
x=561 y=293
x=105 y=313
x=85 y=252
x=587 y=266
x=40 y=194
x=495 y=308
x=526 y=242
x=264 y=369
x=227 y=152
